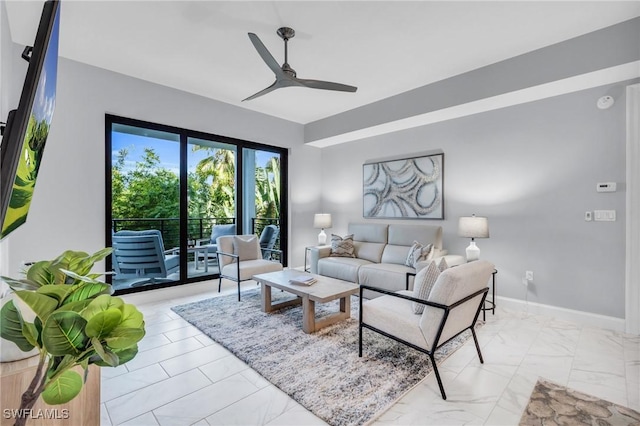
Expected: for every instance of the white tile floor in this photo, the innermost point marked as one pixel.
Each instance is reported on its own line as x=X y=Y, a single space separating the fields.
x=181 y=377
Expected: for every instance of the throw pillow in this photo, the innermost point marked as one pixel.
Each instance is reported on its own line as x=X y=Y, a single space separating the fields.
x=442 y=265
x=342 y=247
x=422 y=285
x=418 y=253
x=246 y=247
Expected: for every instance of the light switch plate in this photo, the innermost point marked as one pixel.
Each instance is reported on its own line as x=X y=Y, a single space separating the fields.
x=604 y=215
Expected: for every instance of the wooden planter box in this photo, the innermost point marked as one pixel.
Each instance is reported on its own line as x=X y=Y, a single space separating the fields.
x=84 y=409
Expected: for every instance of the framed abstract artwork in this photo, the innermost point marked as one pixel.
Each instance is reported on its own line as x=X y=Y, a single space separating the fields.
x=407 y=188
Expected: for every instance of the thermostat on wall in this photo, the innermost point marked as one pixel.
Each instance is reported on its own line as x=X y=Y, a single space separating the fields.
x=606 y=187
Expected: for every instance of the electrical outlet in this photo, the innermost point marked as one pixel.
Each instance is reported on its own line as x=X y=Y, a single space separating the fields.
x=588 y=216
x=529 y=275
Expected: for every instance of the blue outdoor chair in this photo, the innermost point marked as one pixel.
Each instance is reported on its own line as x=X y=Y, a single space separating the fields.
x=141 y=255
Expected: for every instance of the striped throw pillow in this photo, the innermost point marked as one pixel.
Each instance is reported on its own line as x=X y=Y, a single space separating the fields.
x=423 y=283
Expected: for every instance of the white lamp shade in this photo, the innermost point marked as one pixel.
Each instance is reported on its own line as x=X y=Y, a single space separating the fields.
x=322 y=220
x=473 y=227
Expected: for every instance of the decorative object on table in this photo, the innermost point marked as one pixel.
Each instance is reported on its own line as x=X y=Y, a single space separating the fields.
x=404 y=188
x=473 y=227
x=303 y=279
x=322 y=370
x=551 y=403
x=322 y=221
x=77 y=323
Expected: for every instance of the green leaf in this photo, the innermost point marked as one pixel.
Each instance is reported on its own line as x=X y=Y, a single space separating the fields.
x=30 y=332
x=102 y=303
x=131 y=317
x=21 y=284
x=122 y=338
x=40 y=273
x=57 y=291
x=11 y=327
x=42 y=305
x=61 y=363
x=101 y=324
x=86 y=291
x=63 y=333
x=78 y=306
x=106 y=355
x=126 y=355
x=66 y=387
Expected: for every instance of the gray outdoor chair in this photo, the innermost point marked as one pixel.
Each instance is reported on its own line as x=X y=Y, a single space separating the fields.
x=210 y=243
x=268 y=239
x=141 y=255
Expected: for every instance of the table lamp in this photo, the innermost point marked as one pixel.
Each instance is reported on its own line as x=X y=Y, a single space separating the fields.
x=473 y=227
x=321 y=221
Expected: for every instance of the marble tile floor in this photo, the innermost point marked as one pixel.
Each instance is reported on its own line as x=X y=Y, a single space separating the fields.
x=181 y=377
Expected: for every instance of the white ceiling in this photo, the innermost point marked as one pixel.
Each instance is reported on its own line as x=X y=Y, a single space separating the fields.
x=383 y=47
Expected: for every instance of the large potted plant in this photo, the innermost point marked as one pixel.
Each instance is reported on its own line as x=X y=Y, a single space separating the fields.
x=77 y=323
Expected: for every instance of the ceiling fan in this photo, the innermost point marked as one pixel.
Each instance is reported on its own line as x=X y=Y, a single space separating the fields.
x=285 y=75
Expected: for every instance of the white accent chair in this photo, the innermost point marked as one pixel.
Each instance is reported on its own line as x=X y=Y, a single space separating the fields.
x=452 y=307
x=240 y=257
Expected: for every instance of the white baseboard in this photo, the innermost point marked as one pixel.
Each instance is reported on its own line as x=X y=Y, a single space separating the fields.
x=584 y=318
x=169 y=293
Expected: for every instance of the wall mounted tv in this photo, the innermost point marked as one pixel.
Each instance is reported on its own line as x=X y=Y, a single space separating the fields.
x=27 y=127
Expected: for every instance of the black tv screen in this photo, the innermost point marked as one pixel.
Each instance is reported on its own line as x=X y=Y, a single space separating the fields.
x=27 y=127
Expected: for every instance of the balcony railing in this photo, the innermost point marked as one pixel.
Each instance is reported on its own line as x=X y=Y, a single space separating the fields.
x=198 y=228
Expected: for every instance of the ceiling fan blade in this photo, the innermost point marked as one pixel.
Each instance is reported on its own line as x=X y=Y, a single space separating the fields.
x=271 y=88
x=265 y=54
x=326 y=85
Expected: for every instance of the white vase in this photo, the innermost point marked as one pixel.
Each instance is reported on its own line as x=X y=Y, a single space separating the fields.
x=9 y=351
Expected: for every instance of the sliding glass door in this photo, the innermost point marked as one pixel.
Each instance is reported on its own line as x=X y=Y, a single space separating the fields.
x=211 y=196
x=171 y=191
x=145 y=197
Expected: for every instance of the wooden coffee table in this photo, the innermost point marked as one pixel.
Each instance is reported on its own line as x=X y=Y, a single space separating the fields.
x=324 y=290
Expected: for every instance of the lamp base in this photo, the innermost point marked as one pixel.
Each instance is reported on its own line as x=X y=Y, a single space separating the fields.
x=322 y=238
x=473 y=252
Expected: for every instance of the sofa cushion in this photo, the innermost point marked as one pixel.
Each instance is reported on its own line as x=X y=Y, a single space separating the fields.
x=369 y=251
x=369 y=232
x=342 y=268
x=405 y=235
x=418 y=253
x=423 y=283
x=393 y=315
x=383 y=275
x=395 y=254
x=342 y=247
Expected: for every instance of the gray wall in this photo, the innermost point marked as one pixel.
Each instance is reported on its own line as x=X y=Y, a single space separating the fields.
x=532 y=170
x=68 y=209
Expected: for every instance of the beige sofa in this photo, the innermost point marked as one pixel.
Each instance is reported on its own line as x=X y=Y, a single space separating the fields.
x=381 y=251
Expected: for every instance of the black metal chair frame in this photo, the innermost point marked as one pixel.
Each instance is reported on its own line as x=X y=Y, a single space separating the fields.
x=235 y=256
x=436 y=344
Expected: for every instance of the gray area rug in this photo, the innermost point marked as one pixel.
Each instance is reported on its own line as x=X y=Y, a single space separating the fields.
x=553 y=404
x=322 y=371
